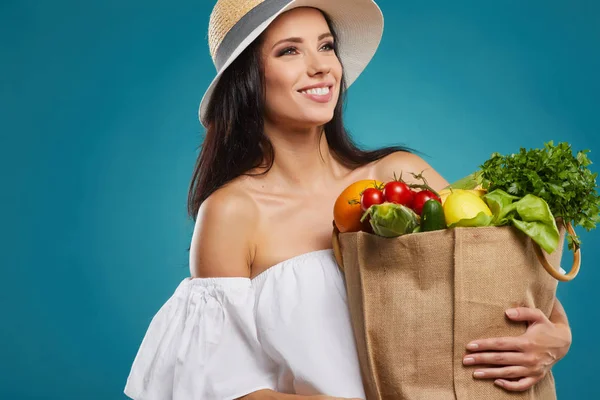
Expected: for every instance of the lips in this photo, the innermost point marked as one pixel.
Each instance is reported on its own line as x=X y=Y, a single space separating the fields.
x=321 y=93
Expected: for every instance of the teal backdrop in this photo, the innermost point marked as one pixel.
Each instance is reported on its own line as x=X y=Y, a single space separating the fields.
x=99 y=133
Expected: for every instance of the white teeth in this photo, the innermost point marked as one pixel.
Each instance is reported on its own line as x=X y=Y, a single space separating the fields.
x=318 y=91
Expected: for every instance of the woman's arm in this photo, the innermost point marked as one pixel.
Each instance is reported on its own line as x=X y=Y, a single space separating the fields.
x=222 y=243
x=558 y=314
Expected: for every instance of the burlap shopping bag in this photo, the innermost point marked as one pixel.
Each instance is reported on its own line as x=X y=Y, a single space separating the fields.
x=417 y=300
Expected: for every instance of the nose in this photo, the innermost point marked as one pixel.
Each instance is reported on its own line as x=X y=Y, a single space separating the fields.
x=318 y=64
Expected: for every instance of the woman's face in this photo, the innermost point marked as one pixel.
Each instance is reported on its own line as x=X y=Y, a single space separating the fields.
x=302 y=71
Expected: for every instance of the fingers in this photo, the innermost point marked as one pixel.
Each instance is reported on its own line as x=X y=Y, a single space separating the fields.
x=504 y=372
x=526 y=314
x=501 y=358
x=519 y=366
x=518 y=343
x=520 y=385
x=522 y=378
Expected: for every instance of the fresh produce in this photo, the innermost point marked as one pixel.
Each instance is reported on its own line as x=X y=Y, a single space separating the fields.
x=422 y=197
x=444 y=193
x=399 y=193
x=432 y=216
x=388 y=209
x=529 y=214
x=370 y=197
x=392 y=220
x=531 y=191
x=554 y=174
x=347 y=210
x=464 y=208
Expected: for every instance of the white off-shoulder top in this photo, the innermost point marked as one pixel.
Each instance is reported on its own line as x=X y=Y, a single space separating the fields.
x=288 y=330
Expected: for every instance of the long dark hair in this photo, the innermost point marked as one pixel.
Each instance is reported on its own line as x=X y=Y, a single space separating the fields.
x=235 y=142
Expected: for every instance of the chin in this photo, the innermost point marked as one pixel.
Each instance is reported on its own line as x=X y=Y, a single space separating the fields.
x=316 y=119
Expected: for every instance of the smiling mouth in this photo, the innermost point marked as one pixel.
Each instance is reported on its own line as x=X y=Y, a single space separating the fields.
x=321 y=95
x=322 y=91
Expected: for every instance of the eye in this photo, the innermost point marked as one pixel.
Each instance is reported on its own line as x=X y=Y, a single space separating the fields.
x=329 y=46
x=287 y=51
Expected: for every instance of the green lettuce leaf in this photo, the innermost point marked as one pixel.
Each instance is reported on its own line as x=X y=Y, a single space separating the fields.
x=537 y=222
x=529 y=214
x=501 y=204
x=392 y=220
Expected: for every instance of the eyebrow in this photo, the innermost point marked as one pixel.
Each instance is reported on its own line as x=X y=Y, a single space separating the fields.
x=299 y=40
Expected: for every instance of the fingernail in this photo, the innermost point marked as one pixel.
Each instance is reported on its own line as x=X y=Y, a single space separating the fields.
x=472 y=346
x=468 y=360
x=478 y=374
x=512 y=312
x=499 y=383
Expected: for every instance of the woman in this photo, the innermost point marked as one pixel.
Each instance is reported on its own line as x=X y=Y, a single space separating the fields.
x=264 y=314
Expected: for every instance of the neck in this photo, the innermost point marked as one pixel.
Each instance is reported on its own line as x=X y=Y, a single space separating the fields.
x=302 y=157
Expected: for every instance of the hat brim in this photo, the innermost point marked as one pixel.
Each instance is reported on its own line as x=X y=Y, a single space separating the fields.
x=358 y=25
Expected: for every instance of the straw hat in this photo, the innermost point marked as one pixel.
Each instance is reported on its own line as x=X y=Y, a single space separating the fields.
x=234 y=24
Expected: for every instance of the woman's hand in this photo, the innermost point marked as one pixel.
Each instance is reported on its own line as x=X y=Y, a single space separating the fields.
x=521 y=361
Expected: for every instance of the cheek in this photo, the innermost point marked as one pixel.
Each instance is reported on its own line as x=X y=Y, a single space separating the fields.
x=337 y=71
x=276 y=86
x=279 y=85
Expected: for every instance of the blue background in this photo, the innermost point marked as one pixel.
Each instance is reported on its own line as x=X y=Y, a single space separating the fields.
x=99 y=136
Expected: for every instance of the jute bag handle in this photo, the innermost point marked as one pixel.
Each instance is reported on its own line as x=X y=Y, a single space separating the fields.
x=554 y=272
x=337 y=251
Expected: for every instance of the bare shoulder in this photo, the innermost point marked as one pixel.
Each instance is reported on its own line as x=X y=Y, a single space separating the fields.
x=405 y=162
x=222 y=243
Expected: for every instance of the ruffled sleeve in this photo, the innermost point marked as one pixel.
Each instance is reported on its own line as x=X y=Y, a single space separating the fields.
x=202 y=344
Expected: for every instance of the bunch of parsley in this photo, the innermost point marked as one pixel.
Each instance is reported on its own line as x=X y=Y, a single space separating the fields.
x=553 y=173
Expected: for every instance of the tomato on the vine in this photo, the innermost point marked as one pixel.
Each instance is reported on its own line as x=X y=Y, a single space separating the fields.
x=421 y=198
x=369 y=197
x=398 y=192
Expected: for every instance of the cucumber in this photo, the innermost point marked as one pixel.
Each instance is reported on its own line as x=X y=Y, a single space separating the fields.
x=432 y=216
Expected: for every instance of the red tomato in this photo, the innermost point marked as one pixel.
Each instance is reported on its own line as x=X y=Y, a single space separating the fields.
x=399 y=193
x=369 y=197
x=421 y=198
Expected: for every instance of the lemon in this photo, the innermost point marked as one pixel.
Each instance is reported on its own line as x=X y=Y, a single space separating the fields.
x=464 y=204
x=444 y=193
